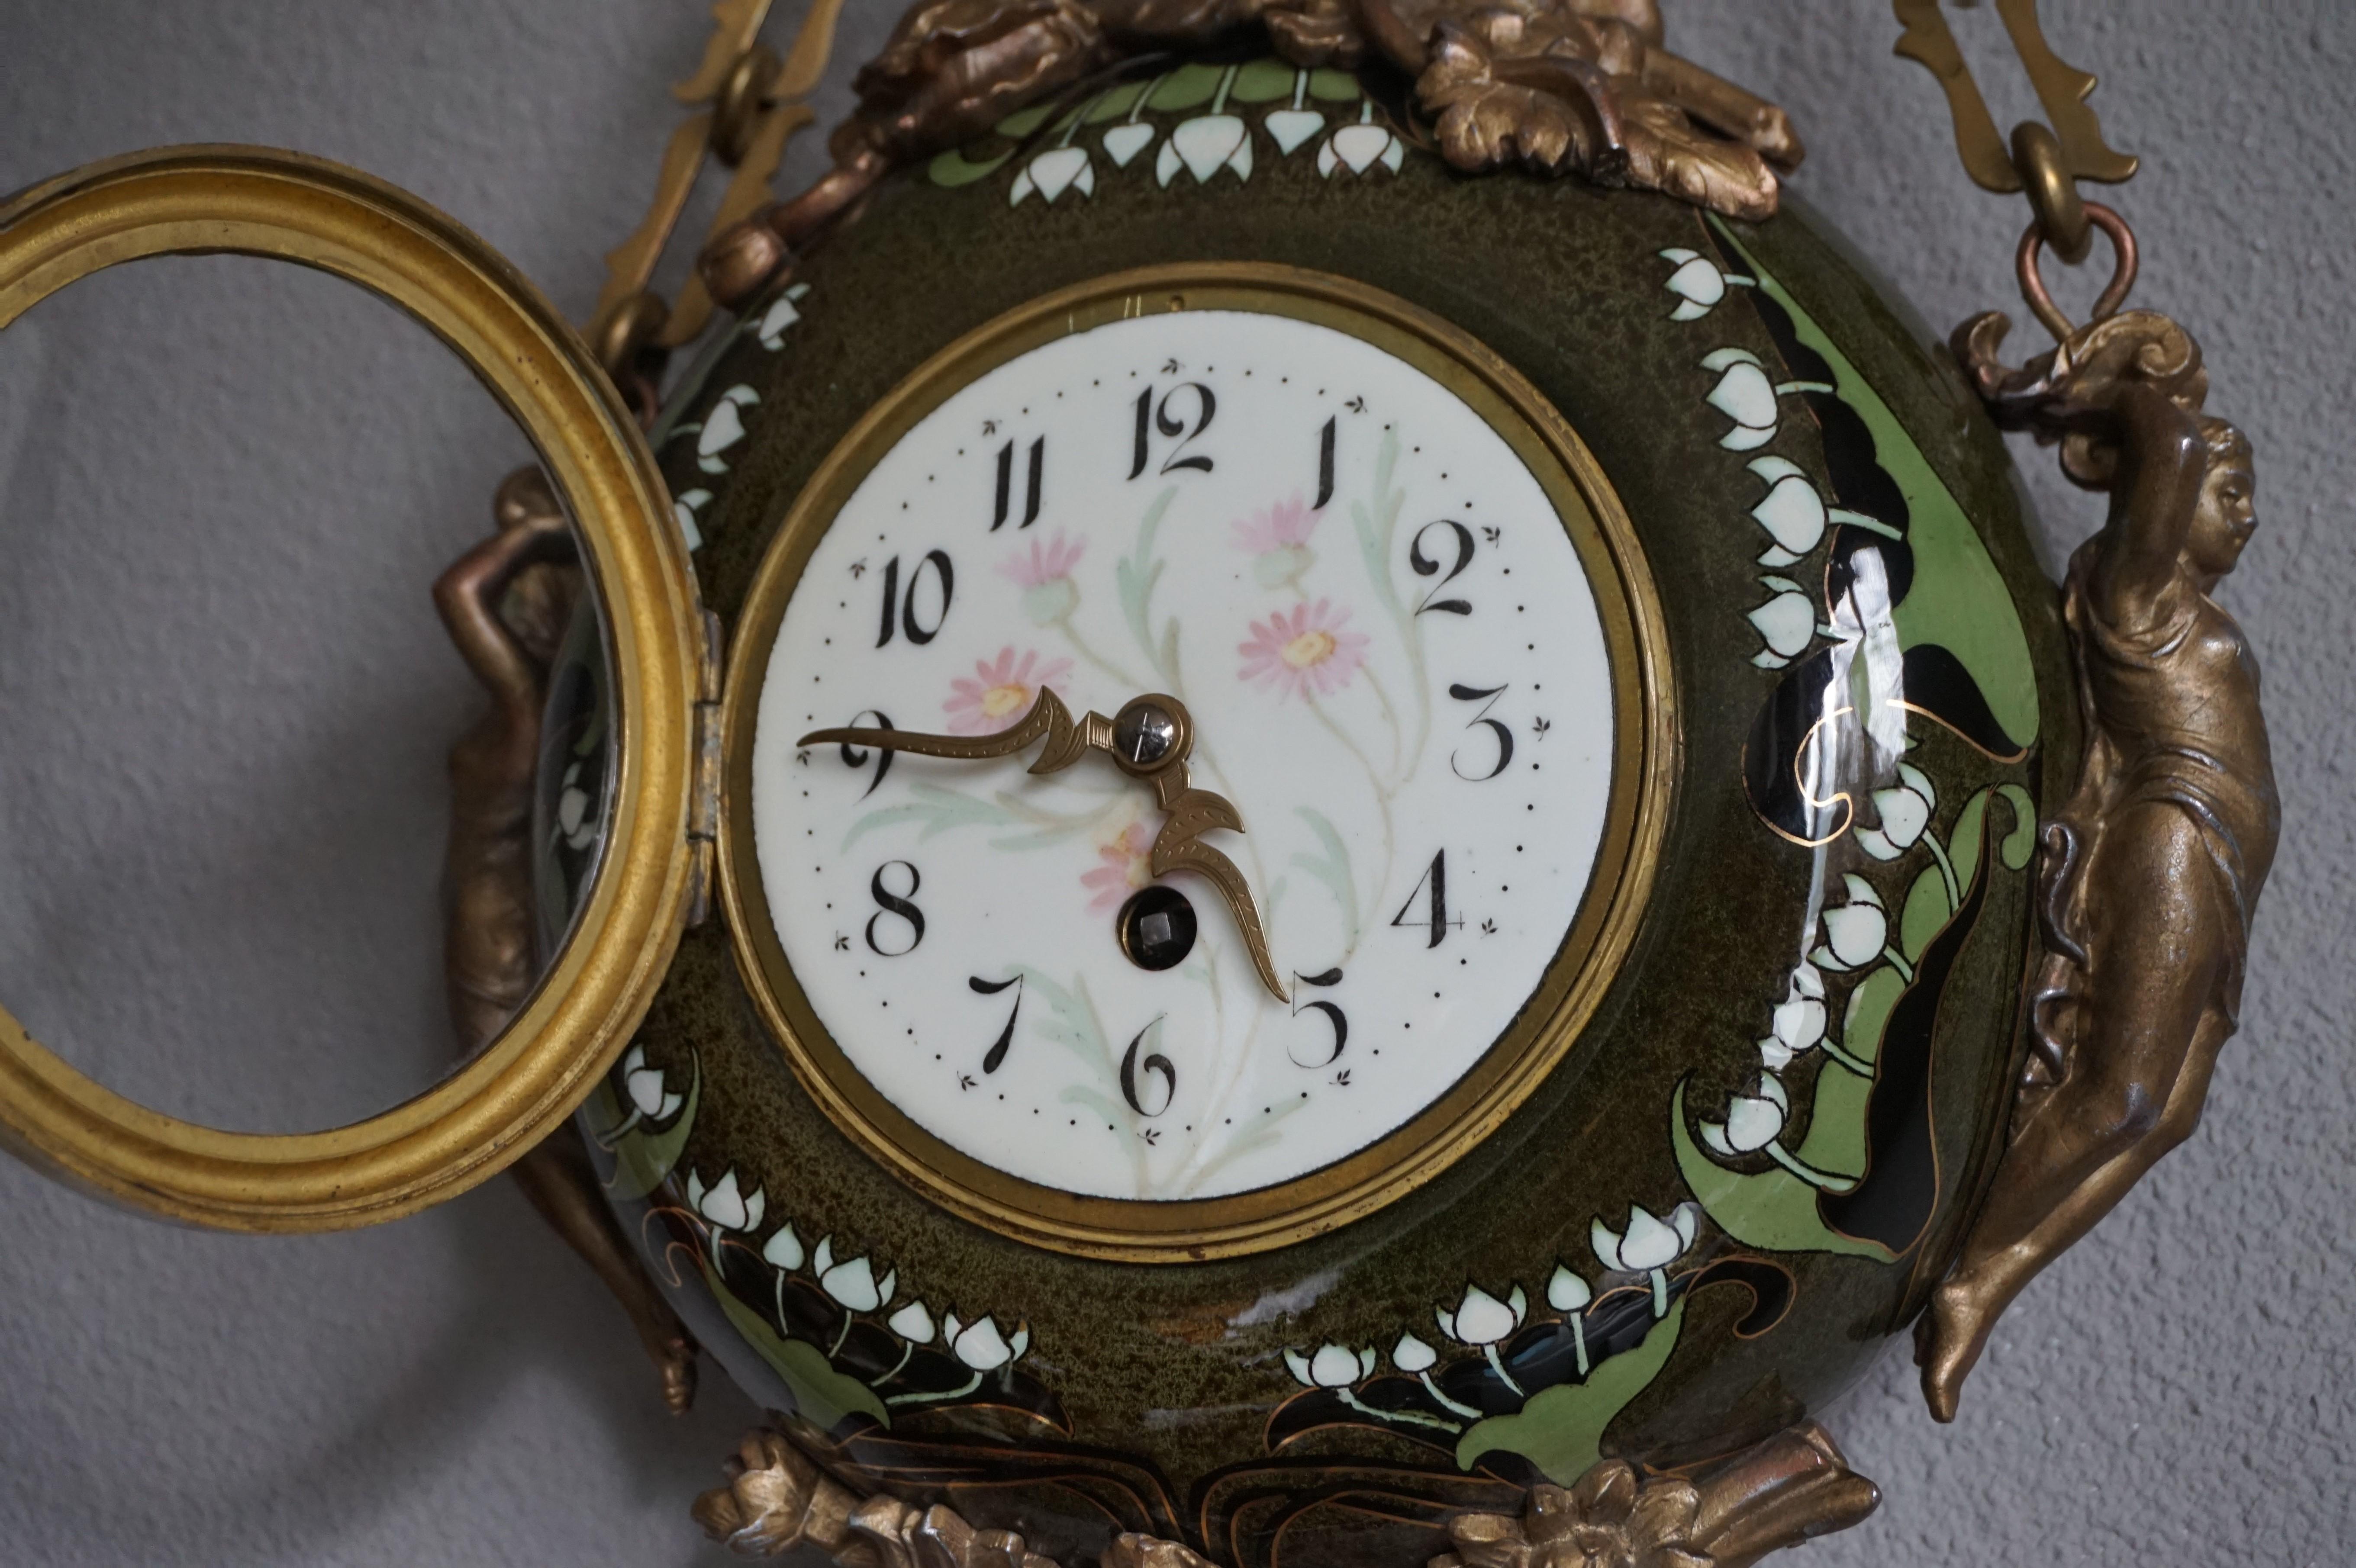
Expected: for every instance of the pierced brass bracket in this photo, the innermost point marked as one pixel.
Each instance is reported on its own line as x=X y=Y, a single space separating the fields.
x=751 y=108
x=2061 y=89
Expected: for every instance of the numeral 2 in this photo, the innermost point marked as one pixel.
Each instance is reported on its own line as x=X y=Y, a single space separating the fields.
x=901 y=907
x=900 y=610
x=1151 y=420
x=1432 y=887
x=1425 y=566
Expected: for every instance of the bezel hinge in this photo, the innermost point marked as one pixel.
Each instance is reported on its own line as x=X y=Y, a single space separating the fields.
x=704 y=801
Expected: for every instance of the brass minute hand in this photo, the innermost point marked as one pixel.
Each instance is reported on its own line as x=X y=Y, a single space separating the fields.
x=1148 y=739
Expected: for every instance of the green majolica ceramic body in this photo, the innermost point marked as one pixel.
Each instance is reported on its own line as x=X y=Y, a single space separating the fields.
x=1336 y=1397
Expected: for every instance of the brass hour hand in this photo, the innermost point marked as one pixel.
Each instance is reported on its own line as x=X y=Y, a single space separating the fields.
x=1148 y=739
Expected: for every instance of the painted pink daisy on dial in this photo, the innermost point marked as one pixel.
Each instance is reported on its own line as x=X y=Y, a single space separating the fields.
x=1122 y=869
x=1285 y=526
x=1000 y=691
x=1044 y=572
x=1304 y=650
x=1044 y=561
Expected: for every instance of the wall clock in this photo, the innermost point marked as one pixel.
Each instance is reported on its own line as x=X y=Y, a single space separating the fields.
x=1268 y=841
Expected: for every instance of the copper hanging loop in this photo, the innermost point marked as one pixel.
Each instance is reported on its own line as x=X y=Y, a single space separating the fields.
x=2123 y=272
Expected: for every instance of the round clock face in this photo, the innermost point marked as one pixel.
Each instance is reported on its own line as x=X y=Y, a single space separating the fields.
x=1408 y=653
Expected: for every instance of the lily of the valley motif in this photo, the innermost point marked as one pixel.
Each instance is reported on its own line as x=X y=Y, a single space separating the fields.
x=1200 y=149
x=879 y=1353
x=1542 y=1388
x=722 y=428
x=1891 y=948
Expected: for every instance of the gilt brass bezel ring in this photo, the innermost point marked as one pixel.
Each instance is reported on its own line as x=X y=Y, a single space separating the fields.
x=488 y=1112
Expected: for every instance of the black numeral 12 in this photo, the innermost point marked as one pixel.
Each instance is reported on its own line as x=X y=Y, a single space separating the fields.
x=1151 y=420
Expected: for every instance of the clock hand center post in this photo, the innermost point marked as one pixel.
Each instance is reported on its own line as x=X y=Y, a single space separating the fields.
x=1149 y=740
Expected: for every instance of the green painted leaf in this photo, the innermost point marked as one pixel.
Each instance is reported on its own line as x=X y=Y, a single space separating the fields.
x=953 y=168
x=1135 y=576
x=1333 y=869
x=1333 y=86
x=2021 y=842
x=1836 y=1141
x=1925 y=911
x=1560 y=1430
x=1117 y=103
x=1023 y=122
x=1929 y=905
x=938 y=808
x=1958 y=600
x=1773 y=1209
x=643 y=1160
x=1868 y=1013
x=1186 y=87
x=1263 y=82
x=822 y=1396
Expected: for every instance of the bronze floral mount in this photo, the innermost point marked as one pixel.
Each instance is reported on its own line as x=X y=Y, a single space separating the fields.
x=1791 y=1489
x=1555 y=86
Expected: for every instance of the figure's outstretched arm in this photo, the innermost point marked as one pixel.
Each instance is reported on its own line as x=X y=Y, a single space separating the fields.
x=2157 y=489
x=467 y=595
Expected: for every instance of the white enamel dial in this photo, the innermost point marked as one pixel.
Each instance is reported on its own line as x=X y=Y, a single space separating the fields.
x=1398 y=673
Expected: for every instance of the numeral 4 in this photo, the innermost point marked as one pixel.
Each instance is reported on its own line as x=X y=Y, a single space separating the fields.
x=1432 y=889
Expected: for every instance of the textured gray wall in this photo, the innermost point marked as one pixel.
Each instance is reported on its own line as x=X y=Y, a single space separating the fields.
x=223 y=698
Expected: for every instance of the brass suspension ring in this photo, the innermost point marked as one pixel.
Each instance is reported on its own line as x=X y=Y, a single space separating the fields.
x=484 y=1115
x=2052 y=193
x=2123 y=272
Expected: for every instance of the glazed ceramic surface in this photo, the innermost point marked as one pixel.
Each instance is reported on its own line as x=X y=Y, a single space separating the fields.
x=1749 y=1151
